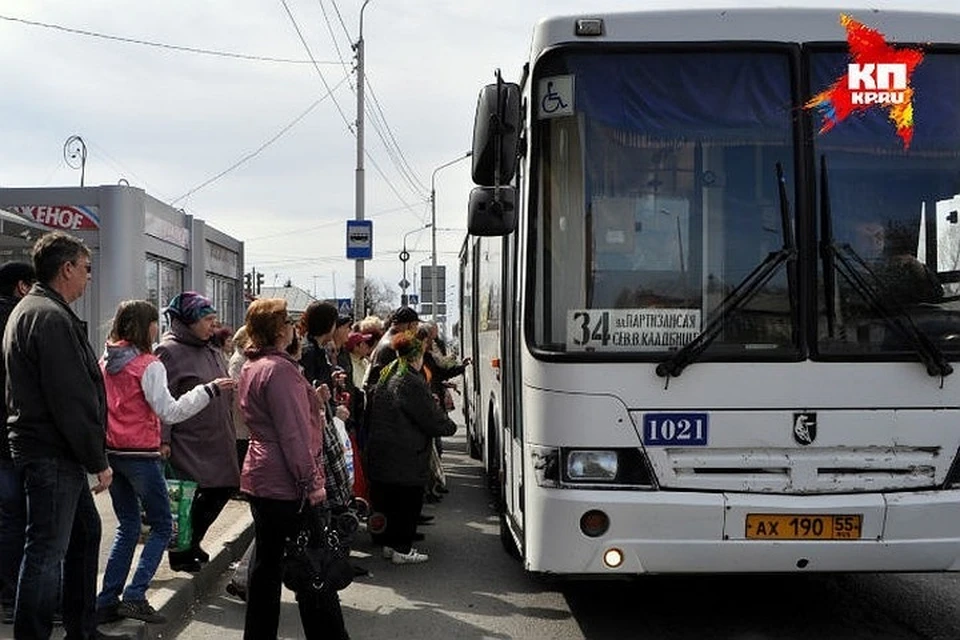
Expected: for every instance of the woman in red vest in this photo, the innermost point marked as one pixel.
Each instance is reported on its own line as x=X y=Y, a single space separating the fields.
x=137 y=400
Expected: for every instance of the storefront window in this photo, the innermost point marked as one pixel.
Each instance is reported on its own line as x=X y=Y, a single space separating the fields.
x=223 y=293
x=164 y=280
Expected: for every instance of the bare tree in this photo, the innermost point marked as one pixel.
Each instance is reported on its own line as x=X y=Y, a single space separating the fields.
x=379 y=298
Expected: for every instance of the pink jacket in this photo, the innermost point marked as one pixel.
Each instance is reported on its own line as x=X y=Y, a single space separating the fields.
x=282 y=411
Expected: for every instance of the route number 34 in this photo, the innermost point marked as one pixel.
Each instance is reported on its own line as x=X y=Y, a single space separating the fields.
x=592 y=329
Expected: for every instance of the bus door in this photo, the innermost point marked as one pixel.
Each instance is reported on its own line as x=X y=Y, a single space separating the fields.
x=512 y=428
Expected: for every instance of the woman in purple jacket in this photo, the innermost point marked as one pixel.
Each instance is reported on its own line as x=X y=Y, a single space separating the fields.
x=283 y=470
x=202 y=448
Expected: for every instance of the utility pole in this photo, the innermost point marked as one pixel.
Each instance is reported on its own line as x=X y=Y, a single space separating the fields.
x=433 y=239
x=358 y=310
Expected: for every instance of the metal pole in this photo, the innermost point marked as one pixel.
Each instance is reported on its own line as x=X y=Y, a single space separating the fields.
x=403 y=253
x=358 y=310
x=433 y=234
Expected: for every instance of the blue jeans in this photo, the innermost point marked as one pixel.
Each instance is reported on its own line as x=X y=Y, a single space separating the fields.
x=63 y=527
x=136 y=481
x=13 y=524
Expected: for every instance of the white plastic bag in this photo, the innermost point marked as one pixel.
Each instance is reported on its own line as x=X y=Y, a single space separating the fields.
x=347 y=446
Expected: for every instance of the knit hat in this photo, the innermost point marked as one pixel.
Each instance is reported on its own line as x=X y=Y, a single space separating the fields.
x=189 y=307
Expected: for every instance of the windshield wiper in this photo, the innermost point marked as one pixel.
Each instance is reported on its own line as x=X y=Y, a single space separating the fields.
x=743 y=292
x=845 y=259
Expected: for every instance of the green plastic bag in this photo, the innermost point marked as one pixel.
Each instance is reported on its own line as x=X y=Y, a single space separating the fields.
x=181 y=494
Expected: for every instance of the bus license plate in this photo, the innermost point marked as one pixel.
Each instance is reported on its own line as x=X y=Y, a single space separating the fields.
x=787 y=526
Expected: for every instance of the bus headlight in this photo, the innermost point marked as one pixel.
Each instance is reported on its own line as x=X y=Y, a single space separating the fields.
x=618 y=468
x=592 y=465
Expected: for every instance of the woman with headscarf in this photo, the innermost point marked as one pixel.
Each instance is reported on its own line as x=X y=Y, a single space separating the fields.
x=203 y=448
x=404 y=419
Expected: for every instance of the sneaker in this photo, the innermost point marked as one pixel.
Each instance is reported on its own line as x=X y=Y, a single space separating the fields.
x=140 y=610
x=108 y=614
x=202 y=556
x=388 y=553
x=412 y=557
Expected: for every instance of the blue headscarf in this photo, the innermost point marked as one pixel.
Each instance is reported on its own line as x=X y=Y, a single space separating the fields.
x=189 y=307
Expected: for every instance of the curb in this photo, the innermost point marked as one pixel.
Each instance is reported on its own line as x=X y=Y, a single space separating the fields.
x=181 y=599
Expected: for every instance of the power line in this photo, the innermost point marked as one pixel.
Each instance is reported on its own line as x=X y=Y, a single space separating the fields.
x=408 y=172
x=350 y=127
x=340 y=17
x=123 y=170
x=315 y=66
x=259 y=149
x=336 y=45
x=159 y=45
x=322 y=225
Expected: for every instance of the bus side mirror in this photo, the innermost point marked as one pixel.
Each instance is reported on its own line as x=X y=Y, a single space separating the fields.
x=496 y=134
x=492 y=211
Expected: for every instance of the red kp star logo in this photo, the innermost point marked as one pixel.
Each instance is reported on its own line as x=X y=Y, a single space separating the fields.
x=878 y=77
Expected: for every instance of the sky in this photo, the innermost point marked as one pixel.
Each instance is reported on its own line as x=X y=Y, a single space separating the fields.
x=169 y=121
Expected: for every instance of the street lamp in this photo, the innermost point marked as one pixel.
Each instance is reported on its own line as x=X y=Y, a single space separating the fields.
x=75 y=151
x=404 y=257
x=433 y=223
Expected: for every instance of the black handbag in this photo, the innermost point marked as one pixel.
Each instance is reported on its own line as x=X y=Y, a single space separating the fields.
x=317 y=559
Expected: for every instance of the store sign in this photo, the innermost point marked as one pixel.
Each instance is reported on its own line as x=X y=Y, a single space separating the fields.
x=167 y=231
x=223 y=261
x=60 y=216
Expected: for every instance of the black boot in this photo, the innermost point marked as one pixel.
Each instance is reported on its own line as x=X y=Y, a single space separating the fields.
x=183 y=561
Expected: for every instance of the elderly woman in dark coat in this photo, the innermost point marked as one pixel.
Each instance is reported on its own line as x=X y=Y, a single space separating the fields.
x=203 y=448
x=404 y=419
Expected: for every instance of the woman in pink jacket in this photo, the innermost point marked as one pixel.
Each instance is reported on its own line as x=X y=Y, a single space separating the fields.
x=137 y=400
x=283 y=470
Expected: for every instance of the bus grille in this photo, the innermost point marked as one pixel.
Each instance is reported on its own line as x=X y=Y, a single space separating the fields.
x=802 y=471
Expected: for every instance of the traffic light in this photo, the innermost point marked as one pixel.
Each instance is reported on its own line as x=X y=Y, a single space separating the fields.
x=248 y=283
x=259 y=282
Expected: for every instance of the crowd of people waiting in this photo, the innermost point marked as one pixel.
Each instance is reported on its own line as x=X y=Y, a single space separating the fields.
x=290 y=414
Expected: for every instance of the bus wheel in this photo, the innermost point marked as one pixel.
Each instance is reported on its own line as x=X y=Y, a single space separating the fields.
x=493 y=459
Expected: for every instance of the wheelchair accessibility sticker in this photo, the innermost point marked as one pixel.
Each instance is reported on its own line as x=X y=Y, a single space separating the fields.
x=555 y=97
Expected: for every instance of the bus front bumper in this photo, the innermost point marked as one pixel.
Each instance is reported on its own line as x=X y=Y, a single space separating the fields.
x=688 y=532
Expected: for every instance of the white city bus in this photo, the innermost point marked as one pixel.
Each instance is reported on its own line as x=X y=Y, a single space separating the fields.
x=712 y=332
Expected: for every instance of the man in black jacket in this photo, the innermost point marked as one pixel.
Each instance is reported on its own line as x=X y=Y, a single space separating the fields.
x=57 y=424
x=16 y=278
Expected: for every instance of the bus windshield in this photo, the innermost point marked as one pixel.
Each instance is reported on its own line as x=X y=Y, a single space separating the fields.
x=657 y=194
x=892 y=212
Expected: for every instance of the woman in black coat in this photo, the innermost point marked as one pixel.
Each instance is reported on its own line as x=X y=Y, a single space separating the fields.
x=404 y=419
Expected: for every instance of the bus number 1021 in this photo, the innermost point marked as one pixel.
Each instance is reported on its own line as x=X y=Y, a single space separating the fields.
x=679 y=429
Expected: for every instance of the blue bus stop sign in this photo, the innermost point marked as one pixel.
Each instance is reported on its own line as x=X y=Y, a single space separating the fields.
x=360 y=239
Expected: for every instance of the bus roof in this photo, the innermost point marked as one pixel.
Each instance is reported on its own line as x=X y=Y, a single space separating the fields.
x=756 y=24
